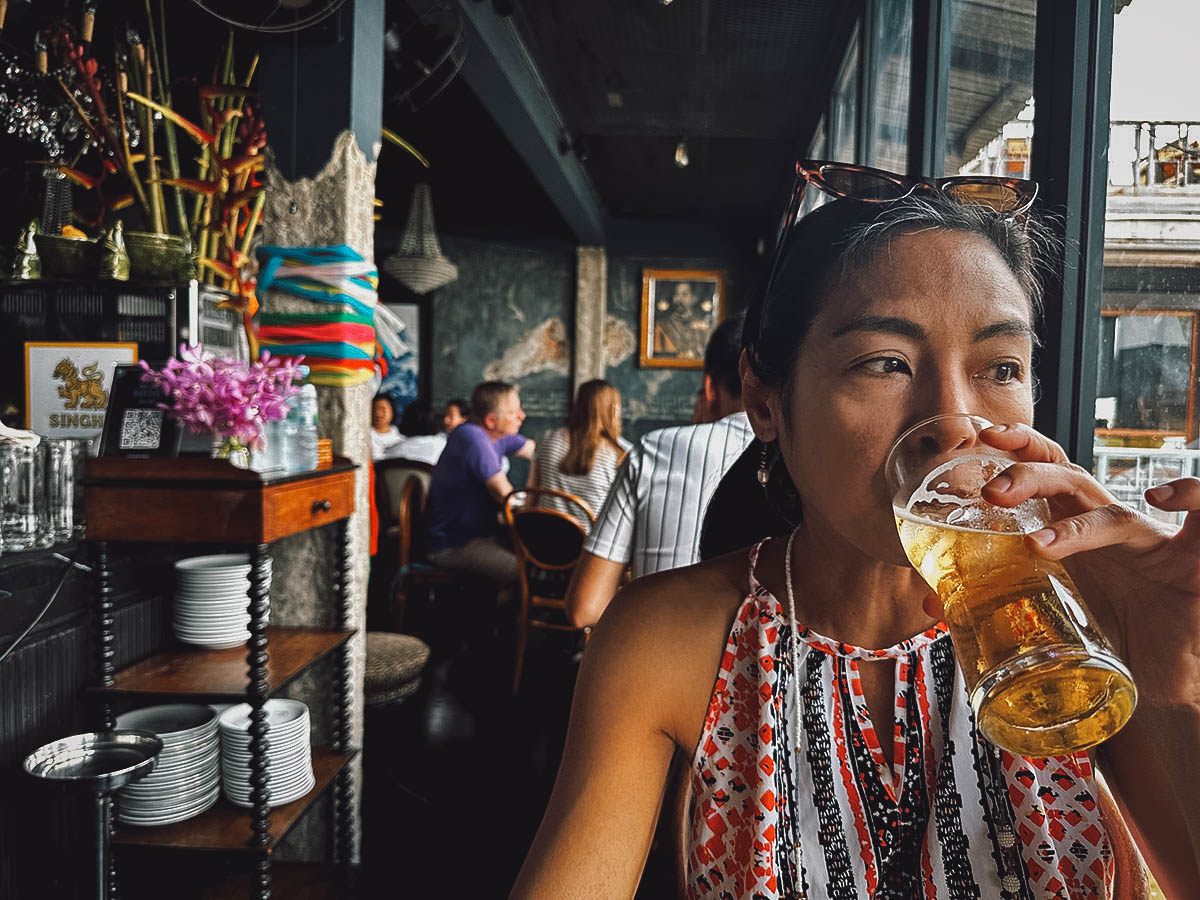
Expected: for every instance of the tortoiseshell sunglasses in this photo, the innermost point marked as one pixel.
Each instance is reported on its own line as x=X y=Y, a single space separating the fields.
x=1012 y=196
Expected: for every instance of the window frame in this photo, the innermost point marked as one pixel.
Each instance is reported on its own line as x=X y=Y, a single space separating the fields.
x=1189 y=432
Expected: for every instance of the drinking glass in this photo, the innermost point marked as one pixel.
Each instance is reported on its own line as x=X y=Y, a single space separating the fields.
x=1042 y=678
x=80 y=450
x=59 y=519
x=24 y=494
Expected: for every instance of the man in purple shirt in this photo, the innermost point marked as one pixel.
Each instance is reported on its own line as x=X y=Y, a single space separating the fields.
x=469 y=484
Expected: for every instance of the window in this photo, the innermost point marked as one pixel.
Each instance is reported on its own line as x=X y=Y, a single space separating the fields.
x=989 y=115
x=1145 y=384
x=843 y=108
x=818 y=147
x=891 y=84
x=1146 y=404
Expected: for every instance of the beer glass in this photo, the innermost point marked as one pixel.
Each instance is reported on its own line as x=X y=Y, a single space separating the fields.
x=1042 y=678
x=24 y=494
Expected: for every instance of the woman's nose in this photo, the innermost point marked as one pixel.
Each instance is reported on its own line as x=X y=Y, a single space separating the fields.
x=954 y=431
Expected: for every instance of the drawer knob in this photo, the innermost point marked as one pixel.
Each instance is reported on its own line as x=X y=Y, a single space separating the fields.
x=320 y=506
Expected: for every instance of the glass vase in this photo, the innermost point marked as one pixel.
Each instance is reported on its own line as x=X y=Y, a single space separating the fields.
x=232 y=449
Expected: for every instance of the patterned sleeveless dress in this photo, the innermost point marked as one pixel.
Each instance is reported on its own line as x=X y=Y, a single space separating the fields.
x=792 y=797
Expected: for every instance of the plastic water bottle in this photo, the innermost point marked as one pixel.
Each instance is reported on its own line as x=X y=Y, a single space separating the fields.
x=287 y=433
x=306 y=435
x=269 y=458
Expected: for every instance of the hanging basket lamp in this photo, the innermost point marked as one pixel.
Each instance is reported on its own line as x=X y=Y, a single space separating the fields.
x=418 y=262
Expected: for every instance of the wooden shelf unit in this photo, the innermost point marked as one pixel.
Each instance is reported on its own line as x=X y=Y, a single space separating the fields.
x=226 y=827
x=210 y=501
x=219 y=676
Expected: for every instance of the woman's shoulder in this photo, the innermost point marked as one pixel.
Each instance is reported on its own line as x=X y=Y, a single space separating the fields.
x=666 y=633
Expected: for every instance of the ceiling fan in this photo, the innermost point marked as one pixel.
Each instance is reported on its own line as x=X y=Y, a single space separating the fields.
x=271 y=16
x=423 y=55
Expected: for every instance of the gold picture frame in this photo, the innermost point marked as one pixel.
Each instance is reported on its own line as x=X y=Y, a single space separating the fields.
x=680 y=309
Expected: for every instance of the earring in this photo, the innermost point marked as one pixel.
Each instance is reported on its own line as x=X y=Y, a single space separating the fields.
x=764 y=470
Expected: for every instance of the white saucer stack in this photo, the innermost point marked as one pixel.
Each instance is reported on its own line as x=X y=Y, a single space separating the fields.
x=289 y=756
x=212 y=598
x=186 y=776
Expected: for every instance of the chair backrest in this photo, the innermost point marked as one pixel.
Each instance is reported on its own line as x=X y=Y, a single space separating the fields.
x=391 y=475
x=545 y=538
x=411 y=520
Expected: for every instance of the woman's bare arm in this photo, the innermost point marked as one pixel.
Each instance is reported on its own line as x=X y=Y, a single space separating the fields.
x=596 y=833
x=642 y=691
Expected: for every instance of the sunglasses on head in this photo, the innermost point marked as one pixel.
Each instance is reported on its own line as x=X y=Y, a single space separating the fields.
x=1012 y=196
x=1009 y=196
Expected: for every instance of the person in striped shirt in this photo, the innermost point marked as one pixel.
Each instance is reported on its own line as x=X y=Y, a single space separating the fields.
x=653 y=513
x=583 y=458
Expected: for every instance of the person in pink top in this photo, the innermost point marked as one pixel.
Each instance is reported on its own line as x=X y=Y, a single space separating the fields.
x=810 y=681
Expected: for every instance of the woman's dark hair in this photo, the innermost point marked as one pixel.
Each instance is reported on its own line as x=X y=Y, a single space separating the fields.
x=464 y=408
x=419 y=419
x=840 y=236
x=830 y=242
x=722 y=353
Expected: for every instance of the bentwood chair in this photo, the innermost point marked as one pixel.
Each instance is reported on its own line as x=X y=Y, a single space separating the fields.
x=415 y=573
x=548 y=544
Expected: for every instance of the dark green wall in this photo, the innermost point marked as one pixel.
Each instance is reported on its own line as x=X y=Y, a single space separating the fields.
x=520 y=291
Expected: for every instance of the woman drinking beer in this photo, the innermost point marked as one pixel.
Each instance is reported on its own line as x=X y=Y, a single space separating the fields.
x=809 y=681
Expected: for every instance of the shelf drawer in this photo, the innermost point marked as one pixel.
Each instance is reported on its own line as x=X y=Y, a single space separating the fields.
x=291 y=508
x=200 y=500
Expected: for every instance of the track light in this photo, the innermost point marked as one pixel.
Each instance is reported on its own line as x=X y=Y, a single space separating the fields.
x=681 y=154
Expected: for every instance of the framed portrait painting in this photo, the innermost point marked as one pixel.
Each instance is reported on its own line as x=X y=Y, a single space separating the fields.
x=680 y=309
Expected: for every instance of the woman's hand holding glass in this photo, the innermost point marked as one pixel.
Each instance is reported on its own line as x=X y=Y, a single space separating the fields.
x=1140 y=577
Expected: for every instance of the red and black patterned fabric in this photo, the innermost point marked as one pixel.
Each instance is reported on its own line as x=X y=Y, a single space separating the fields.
x=789 y=808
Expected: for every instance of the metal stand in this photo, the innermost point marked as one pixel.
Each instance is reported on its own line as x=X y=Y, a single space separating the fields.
x=98 y=764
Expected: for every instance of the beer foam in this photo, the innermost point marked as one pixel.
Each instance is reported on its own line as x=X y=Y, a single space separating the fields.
x=949 y=496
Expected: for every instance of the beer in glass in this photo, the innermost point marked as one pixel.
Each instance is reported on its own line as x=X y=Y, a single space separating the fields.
x=1042 y=678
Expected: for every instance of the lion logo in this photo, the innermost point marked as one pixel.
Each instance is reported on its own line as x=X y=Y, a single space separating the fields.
x=87 y=389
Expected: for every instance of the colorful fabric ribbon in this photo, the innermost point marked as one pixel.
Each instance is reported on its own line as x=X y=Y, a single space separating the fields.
x=339 y=346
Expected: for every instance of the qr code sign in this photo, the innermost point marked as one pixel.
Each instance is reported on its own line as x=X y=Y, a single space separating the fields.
x=141 y=429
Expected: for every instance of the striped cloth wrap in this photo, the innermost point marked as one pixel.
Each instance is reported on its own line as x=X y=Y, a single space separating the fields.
x=338 y=345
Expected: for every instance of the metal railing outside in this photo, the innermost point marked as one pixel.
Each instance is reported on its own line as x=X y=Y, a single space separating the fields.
x=1128 y=471
x=1180 y=169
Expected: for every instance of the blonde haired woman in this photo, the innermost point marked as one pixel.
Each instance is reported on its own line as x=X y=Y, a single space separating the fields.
x=582 y=459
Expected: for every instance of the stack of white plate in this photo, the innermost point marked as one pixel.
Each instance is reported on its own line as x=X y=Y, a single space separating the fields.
x=212 y=600
x=289 y=756
x=186 y=776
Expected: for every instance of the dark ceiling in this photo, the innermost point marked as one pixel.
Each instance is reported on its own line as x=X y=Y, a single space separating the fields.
x=741 y=81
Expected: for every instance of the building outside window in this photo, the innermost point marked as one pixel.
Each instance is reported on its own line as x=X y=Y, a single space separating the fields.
x=1146 y=404
x=989 y=121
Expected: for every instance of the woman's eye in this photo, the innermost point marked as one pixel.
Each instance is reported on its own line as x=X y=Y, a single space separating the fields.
x=1005 y=372
x=885 y=365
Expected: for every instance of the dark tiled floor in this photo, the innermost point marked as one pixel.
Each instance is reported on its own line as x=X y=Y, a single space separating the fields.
x=456 y=778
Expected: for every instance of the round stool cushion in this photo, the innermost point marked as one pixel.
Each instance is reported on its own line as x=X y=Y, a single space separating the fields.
x=394 y=666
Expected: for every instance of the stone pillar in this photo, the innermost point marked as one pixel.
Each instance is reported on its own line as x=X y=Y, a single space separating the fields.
x=591 y=307
x=322 y=105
